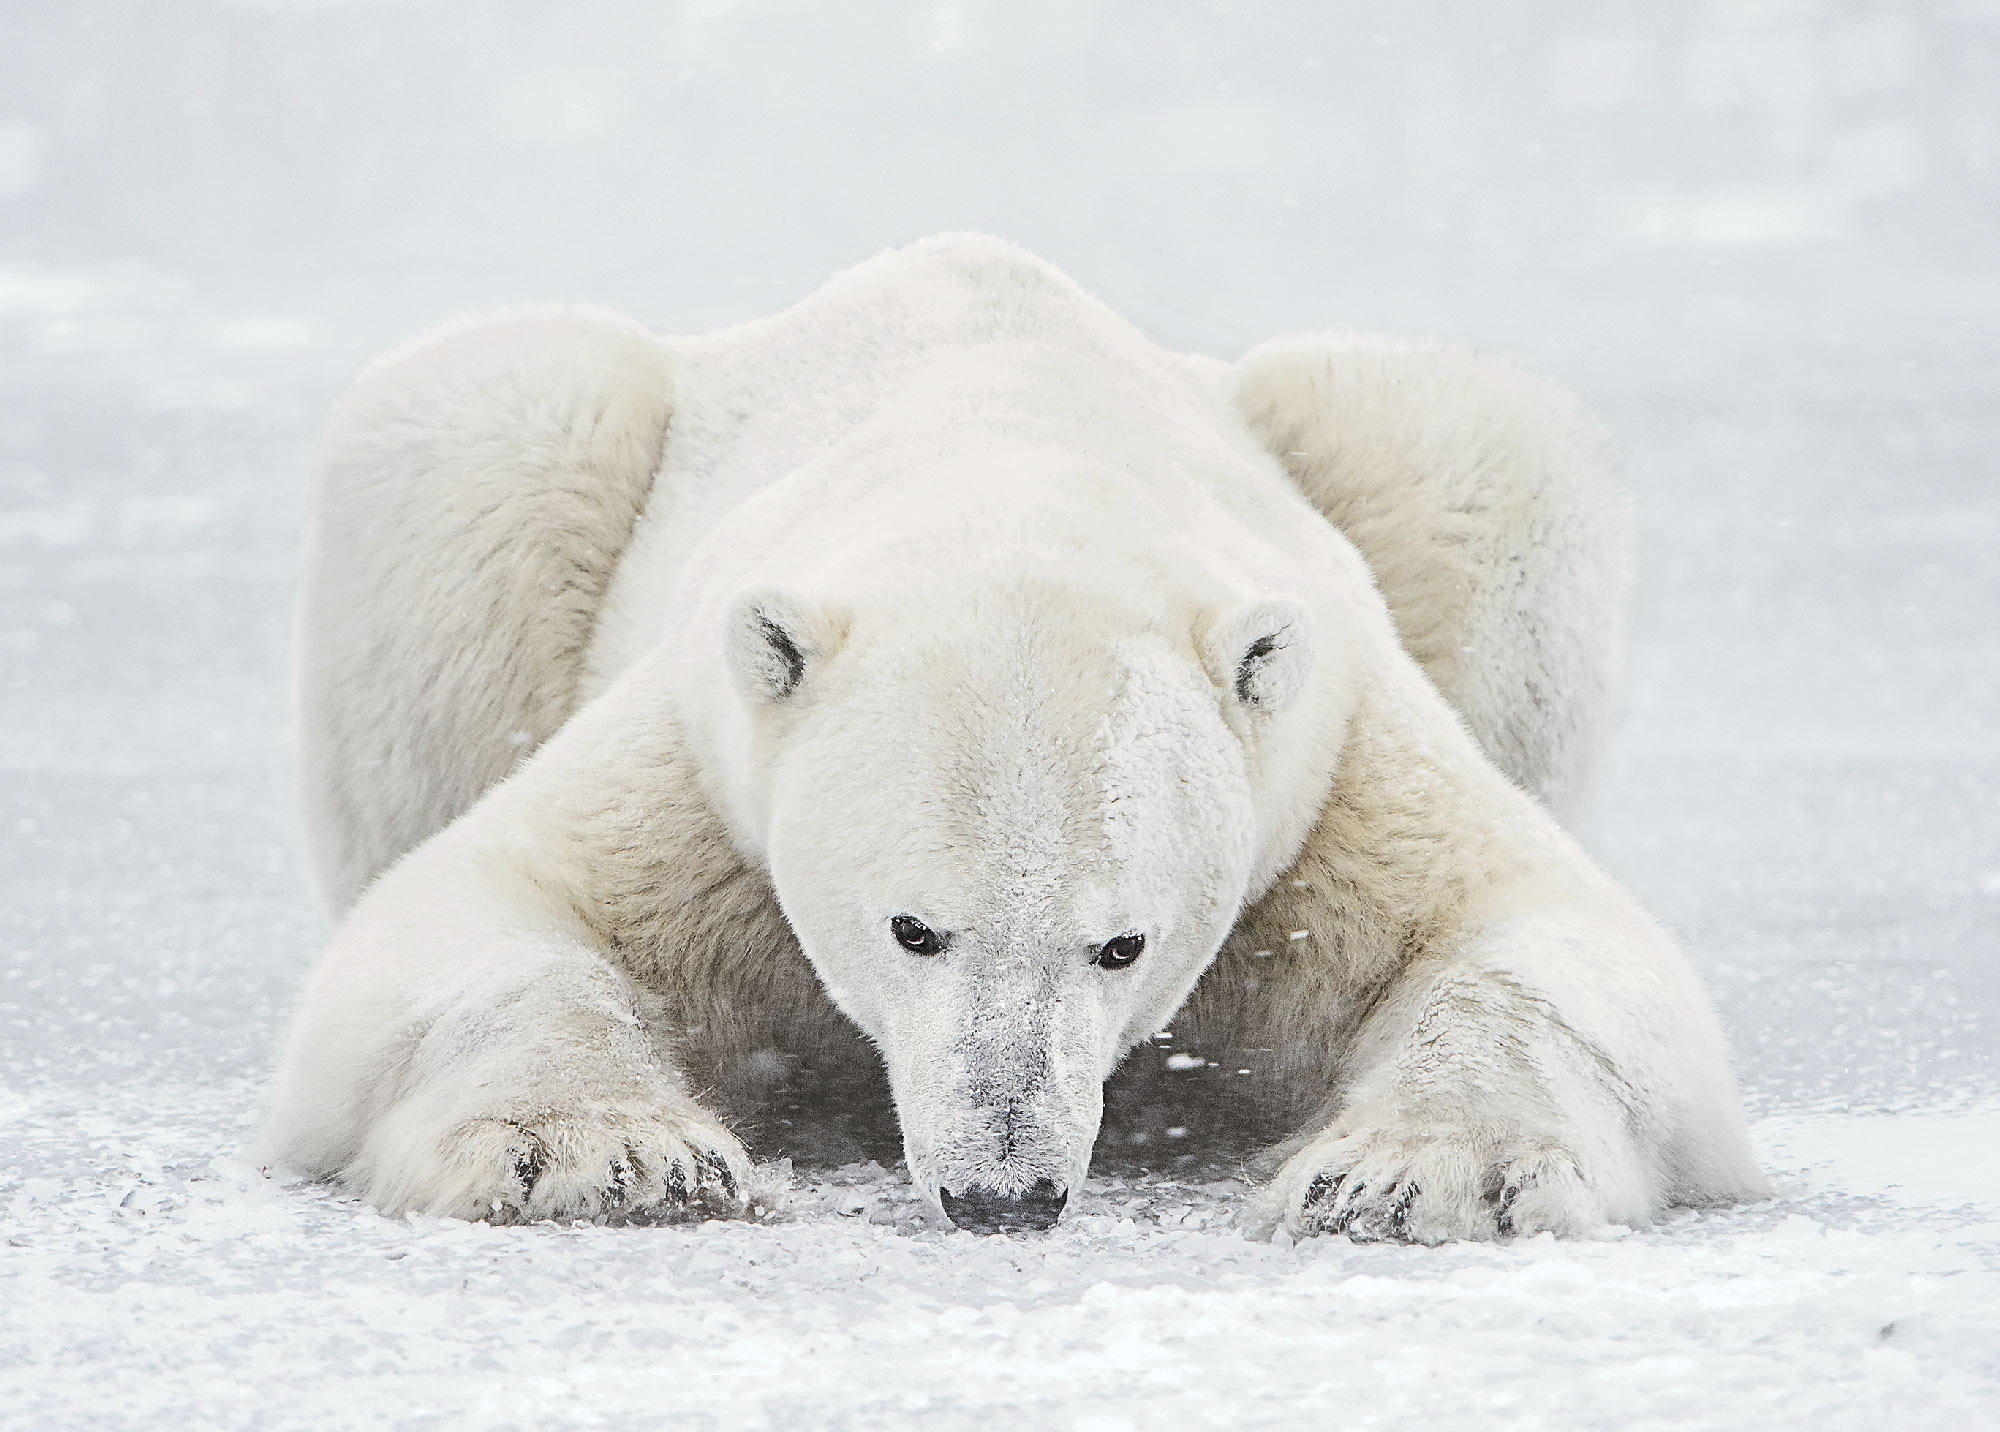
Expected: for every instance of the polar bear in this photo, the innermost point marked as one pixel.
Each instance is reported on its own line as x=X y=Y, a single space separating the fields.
x=939 y=680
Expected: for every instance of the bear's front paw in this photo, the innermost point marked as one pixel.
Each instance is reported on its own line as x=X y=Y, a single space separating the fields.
x=1430 y=1184
x=618 y=1167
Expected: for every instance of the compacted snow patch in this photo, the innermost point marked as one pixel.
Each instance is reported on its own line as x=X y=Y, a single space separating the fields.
x=152 y=1274
x=1943 y=1159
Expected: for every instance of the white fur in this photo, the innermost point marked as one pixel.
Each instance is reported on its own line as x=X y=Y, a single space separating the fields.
x=1478 y=493
x=442 y=630
x=947 y=595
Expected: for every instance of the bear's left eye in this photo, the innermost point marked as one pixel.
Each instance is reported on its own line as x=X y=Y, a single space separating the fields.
x=1117 y=954
x=915 y=936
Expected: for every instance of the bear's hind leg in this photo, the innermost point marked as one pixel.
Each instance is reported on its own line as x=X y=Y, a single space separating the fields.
x=473 y=494
x=1482 y=499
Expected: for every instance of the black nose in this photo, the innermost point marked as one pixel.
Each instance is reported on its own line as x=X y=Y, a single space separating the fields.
x=984 y=1210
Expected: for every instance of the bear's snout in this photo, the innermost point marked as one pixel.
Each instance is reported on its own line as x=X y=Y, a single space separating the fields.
x=986 y=1210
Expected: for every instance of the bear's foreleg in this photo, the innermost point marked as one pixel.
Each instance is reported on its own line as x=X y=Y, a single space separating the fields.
x=1557 y=1074
x=466 y=1050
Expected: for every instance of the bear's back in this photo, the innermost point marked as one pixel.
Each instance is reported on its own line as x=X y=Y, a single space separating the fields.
x=507 y=515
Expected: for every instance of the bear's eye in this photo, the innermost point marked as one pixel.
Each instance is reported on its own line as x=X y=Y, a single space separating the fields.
x=915 y=936
x=1117 y=954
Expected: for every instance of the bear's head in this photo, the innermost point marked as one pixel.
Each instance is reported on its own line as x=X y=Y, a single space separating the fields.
x=1011 y=826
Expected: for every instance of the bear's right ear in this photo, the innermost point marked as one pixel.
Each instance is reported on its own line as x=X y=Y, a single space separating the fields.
x=775 y=639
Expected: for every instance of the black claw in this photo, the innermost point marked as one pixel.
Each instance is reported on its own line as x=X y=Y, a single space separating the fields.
x=1399 y=1211
x=1503 y=1212
x=529 y=1165
x=1324 y=1186
x=619 y=1184
x=677 y=1182
x=715 y=1169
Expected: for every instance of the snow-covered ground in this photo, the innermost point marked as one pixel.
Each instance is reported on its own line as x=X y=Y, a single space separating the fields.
x=1789 y=310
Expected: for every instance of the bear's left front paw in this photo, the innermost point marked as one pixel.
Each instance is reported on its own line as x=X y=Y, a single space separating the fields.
x=1430 y=1184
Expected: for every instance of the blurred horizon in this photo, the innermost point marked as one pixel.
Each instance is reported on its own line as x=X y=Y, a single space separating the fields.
x=1612 y=189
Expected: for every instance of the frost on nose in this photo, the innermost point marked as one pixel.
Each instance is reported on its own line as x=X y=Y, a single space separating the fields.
x=1005 y=1167
x=986 y=1210
x=999 y=1091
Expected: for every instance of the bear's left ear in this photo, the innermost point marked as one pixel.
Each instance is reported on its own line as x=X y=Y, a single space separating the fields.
x=775 y=639
x=1262 y=653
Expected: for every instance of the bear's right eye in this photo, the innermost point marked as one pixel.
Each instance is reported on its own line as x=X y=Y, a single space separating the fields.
x=915 y=936
x=1117 y=954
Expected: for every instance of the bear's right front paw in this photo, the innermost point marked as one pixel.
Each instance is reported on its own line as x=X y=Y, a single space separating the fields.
x=615 y=1167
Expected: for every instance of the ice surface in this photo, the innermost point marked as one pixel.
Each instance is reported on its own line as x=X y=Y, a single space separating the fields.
x=151 y=1280
x=1759 y=238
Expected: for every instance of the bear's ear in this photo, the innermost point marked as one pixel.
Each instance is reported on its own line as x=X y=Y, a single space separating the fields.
x=775 y=639
x=1261 y=653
